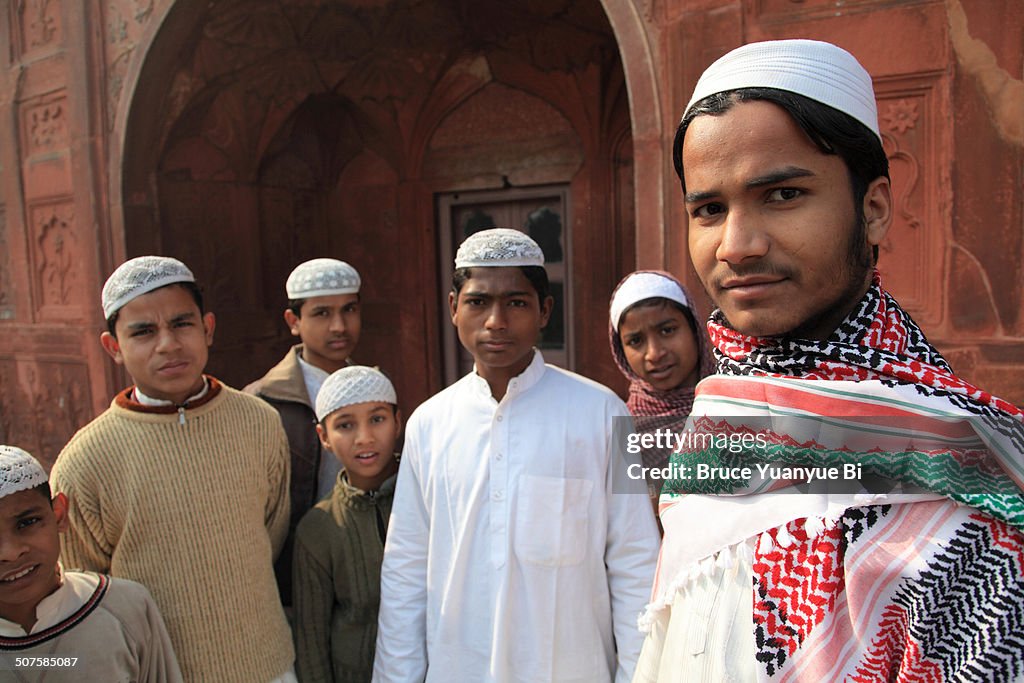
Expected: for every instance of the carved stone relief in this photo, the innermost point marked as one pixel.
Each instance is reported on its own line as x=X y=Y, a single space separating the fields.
x=43 y=404
x=55 y=249
x=40 y=24
x=45 y=125
x=908 y=109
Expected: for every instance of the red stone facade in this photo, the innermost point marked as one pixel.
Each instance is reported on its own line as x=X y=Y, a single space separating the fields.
x=245 y=136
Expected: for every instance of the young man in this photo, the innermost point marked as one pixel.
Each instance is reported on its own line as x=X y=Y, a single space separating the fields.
x=508 y=556
x=67 y=626
x=182 y=484
x=323 y=312
x=787 y=190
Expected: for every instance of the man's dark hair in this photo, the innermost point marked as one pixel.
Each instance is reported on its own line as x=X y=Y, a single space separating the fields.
x=191 y=287
x=537 y=276
x=832 y=131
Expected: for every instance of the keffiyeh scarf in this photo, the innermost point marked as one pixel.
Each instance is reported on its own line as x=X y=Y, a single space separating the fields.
x=921 y=579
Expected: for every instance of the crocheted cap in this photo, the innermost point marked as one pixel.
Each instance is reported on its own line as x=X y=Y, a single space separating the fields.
x=139 y=276
x=499 y=247
x=322 y=277
x=19 y=471
x=641 y=286
x=820 y=71
x=351 y=385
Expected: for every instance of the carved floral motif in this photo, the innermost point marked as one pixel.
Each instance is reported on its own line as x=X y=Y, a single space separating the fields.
x=46 y=126
x=900 y=116
x=40 y=22
x=56 y=247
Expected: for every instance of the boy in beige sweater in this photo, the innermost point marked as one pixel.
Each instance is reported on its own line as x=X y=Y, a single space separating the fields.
x=182 y=484
x=339 y=543
x=63 y=625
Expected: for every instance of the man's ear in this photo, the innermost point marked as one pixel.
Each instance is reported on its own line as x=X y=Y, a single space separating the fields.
x=60 y=511
x=209 y=323
x=292 y=321
x=113 y=349
x=453 y=300
x=877 y=210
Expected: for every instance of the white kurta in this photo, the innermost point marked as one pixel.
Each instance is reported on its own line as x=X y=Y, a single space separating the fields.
x=508 y=556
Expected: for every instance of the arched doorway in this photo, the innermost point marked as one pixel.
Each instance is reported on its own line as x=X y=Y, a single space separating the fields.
x=283 y=132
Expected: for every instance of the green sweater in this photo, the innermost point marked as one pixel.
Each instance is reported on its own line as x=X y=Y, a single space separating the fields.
x=194 y=506
x=339 y=547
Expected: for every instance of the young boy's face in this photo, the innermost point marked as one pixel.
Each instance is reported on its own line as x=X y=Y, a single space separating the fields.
x=362 y=436
x=660 y=346
x=499 y=316
x=163 y=342
x=329 y=328
x=29 y=547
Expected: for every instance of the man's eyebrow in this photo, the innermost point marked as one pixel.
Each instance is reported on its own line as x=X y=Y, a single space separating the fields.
x=770 y=178
x=781 y=175
x=141 y=325
x=190 y=315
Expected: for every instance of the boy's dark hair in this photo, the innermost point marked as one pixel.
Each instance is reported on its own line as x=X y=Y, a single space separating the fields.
x=662 y=301
x=295 y=305
x=832 y=131
x=191 y=287
x=44 y=490
x=537 y=276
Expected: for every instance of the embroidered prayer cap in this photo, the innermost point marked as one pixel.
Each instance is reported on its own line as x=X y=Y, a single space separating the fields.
x=19 y=471
x=820 y=71
x=641 y=286
x=499 y=247
x=353 y=384
x=322 y=277
x=139 y=276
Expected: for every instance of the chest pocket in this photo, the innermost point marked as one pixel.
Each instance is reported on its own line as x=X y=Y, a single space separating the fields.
x=552 y=520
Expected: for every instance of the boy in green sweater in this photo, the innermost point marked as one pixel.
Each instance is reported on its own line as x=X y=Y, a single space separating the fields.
x=339 y=544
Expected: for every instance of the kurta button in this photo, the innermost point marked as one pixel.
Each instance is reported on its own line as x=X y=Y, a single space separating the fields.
x=499 y=418
x=498 y=456
x=497 y=495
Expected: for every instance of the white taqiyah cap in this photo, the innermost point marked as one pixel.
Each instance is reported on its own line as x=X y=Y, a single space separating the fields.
x=354 y=384
x=322 y=277
x=640 y=287
x=139 y=276
x=499 y=247
x=820 y=71
x=19 y=471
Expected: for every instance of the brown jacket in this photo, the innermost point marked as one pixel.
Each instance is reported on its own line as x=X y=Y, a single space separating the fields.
x=284 y=388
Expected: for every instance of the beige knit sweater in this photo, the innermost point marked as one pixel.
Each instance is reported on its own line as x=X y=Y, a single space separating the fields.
x=194 y=506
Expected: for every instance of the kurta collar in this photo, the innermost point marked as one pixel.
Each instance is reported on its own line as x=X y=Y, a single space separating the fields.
x=518 y=384
x=74 y=591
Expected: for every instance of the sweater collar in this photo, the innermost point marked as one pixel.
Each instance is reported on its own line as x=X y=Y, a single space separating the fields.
x=124 y=399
